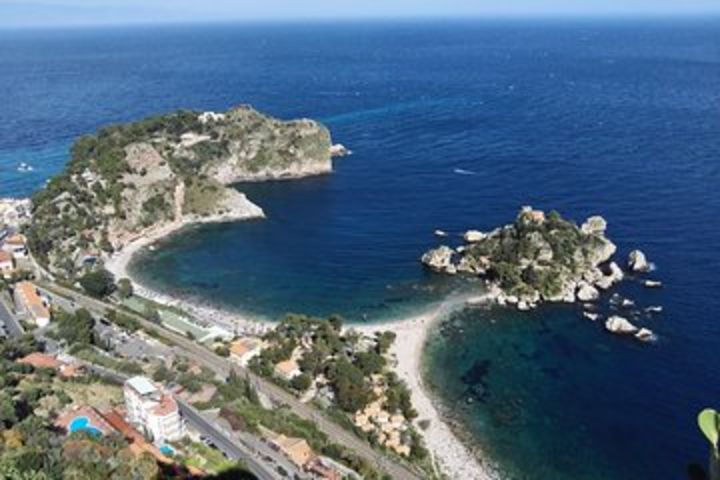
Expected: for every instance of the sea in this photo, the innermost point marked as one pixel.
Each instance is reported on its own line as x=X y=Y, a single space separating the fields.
x=453 y=124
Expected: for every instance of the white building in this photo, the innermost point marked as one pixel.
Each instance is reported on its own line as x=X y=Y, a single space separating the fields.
x=153 y=410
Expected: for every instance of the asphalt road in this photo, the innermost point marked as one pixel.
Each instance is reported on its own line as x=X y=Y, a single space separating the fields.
x=225 y=444
x=223 y=366
x=7 y=317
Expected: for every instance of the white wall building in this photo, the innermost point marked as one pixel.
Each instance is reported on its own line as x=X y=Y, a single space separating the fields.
x=153 y=410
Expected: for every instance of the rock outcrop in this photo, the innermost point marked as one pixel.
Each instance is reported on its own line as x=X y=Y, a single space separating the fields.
x=587 y=293
x=537 y=258
x=171 y=169
x=595 y=225
x=440 y=259
x=474 y=236
x=620 y=325
x=645 y=335
x=637 y=262
x=339 y=150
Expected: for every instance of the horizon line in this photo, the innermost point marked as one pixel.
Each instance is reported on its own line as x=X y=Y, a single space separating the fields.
x=555 y=16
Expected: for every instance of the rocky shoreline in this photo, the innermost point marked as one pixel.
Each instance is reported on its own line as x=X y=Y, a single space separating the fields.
x=544 y=259
x=536 y=259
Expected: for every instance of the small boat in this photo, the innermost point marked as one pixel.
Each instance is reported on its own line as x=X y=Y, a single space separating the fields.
x=440 y=233
x=652 y=284
x=462 y=171
x=24 y=167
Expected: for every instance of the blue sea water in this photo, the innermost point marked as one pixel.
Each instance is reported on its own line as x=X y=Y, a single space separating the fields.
x=454 y=125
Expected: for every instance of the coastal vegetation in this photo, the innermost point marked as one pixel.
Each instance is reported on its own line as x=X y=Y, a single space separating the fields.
x=536 y=258
x=173 y=168
x=348 y=374
x=32 y=448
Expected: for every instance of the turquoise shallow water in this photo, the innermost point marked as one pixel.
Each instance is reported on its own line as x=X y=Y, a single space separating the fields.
x=454 y=125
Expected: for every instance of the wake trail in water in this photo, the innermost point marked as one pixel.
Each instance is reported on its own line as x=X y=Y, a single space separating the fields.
x=462 y=171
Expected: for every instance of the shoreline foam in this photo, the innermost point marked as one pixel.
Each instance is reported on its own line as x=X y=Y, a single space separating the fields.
x=453 y=458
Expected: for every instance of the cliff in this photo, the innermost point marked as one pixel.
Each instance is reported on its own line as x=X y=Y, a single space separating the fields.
x=170 y=169
x=537 y=258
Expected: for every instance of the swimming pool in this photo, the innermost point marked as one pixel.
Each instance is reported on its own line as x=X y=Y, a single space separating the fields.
x=167 y=450
x=82 y=424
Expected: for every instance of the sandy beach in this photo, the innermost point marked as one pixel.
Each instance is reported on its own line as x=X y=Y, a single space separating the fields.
x=450 y=455
x=118 y=265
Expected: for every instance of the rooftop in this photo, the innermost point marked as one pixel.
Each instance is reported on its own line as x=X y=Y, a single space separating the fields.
x=287 y=367
x=243 y=345
x=165 y=406
x=16 y=239
x=142 y=385
x=32 y=300
x=40 y=360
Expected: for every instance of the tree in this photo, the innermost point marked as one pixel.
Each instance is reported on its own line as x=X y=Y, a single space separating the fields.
x=312 y=361
x=8 y=415
x=352 y=391
x=98 y=283
x=385 y=341
x=336 y=322
x=124 y=288
x=77 y=328
x=301 y=382
x=370 y=362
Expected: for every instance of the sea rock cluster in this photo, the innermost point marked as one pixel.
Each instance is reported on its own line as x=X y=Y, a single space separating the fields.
x=545 y=258
x=537 y=258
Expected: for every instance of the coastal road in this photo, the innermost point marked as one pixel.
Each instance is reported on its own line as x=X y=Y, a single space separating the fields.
x=7 y=317
x=225 y=443
x=222 y=366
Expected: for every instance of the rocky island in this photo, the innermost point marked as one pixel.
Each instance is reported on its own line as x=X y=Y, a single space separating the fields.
x=153 y=176
x=538 y=258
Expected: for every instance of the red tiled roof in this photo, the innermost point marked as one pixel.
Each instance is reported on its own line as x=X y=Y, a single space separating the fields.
x=166 y=406
x=41 y=360
x=16 y=239
x=32 y=300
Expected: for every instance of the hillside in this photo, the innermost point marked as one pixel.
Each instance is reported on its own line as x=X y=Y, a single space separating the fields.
x=174 y=168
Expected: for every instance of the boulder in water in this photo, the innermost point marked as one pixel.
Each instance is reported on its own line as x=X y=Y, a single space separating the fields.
x=439 y=259
x=474 y=236
x=339 y=150
x=586 y=292
x=637 y=262
x=620 y=325
x=645 y=335
x=595 y=225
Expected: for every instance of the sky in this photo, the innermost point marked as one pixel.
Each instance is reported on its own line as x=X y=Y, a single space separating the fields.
x=56 y=13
